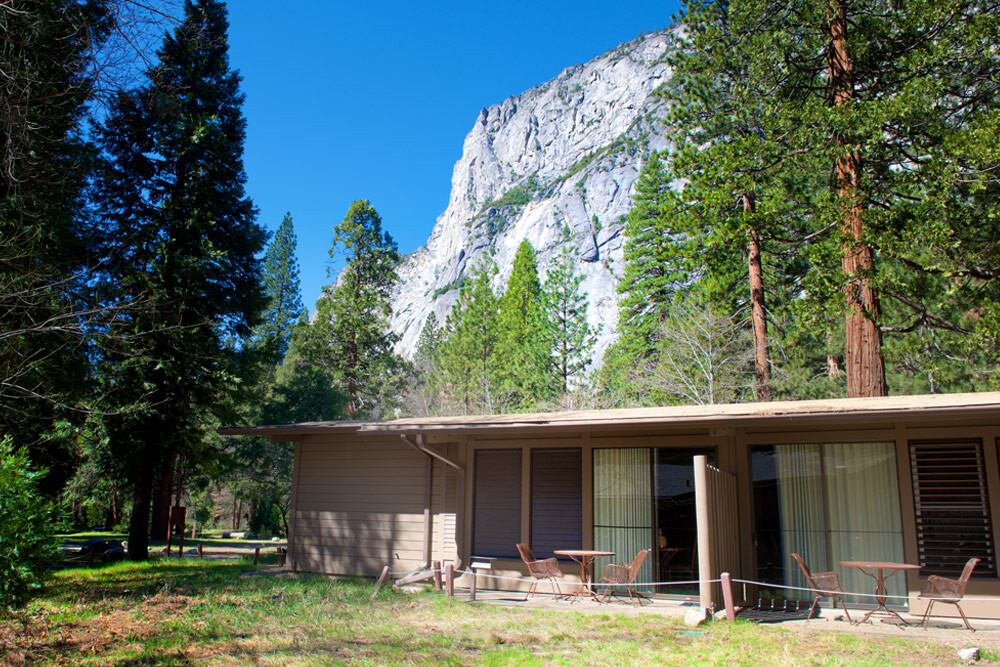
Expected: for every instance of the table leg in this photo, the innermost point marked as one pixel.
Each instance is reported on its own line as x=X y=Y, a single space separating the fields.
x=881 y=595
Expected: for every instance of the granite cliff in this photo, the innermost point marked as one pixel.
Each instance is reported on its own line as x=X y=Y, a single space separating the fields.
x=556 y=165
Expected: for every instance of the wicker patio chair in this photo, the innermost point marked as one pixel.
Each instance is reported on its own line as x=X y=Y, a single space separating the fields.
x=547 y=568
x=625 y=573
x=823 y=585
x=949 y=591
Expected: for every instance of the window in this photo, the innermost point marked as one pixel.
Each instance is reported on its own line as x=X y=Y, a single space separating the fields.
x=556 y=500
x=828 y=503
x=952 y=507
x=497 y=514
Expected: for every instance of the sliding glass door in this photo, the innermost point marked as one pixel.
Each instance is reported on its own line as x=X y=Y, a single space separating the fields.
x=828 y=503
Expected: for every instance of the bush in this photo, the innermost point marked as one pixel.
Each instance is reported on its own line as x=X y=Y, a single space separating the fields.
x=26 y=528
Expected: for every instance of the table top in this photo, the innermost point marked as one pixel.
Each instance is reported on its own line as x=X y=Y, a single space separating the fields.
x=878 y=565
x=583 y=552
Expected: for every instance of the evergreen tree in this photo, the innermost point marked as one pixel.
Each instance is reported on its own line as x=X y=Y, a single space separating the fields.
x=879 y=108
x=468 y=357
x=48 y=315
x=658 y=261
x=571 y=338
x=350 y=332
x=281 y=287
x=423 y=398
x=181 y=236
x=523 y=343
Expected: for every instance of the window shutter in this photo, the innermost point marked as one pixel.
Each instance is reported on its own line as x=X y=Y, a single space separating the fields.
x=952 y=507
x=496 y=526
x=556 y=500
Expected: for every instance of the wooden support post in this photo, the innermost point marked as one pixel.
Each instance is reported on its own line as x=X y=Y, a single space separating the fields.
x=256 y=555
x=201 y=552
x=472 y=586
x=381 y=580
x=727 y=596
x=90 y=558
x=449 y=580
x=437 y=575
x=281 y=556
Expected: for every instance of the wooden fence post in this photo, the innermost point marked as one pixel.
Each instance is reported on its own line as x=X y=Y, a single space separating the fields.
x=90 y=558
x=201 y=551
x=381 y=580
x=256 y=555
x=437 y=575
x=281 y=556
x=449 y=580
x=727 y=596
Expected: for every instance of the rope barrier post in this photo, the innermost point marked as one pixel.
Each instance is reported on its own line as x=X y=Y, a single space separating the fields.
x=727 y=596
x=437 y=575
x=256 y=555
x=472 y=587
x=381 y=580
x=201 y=551
x=449 y=580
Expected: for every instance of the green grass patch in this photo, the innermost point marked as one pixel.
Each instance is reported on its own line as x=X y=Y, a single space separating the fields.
x=230 y=613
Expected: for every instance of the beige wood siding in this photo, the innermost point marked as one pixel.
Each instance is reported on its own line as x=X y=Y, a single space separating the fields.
x=359 y=505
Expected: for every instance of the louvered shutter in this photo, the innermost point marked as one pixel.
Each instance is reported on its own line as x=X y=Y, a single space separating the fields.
x=556 y=500
x=496 y=526
x=952 y=507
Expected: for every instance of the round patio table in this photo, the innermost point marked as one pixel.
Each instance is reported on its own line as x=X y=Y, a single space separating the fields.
x=877 y=570
x=586 y=558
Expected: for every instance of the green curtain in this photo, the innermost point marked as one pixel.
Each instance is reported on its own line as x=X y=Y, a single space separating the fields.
x=623 y=506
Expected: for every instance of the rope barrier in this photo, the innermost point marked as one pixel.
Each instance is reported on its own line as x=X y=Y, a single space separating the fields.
x=692 y=582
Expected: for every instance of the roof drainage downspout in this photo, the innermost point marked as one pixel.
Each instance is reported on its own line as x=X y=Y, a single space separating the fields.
x=428 y=490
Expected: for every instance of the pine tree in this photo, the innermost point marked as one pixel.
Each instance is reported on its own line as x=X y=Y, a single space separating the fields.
x=281 y=287
x=880 y=109
x=571 y=338
x=526 y=376
x=467 y=358
x=423 y=398
x=182 y=237
x=350 y=333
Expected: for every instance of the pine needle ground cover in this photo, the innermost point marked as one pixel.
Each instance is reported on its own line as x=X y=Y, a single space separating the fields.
x=230 y=613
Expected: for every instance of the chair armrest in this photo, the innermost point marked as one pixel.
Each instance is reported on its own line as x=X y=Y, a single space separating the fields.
x=941 y=587
x=547 y=567
x=616 y=574
x=827 y=581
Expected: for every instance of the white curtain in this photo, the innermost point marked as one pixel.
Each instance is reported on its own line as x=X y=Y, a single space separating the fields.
x=623 y=506
x=840 y=502
x=803 y=521
x=864 y=514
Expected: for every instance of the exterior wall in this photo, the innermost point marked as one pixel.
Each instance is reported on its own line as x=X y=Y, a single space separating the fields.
x=358 y=505
x=358 y=499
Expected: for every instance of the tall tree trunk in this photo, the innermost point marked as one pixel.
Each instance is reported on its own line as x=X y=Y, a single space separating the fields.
x=758 y=317
x=863 y=361
x=138 y=529
x=162 y=499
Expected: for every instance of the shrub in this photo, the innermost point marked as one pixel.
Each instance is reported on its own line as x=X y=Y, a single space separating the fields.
x=26 y=528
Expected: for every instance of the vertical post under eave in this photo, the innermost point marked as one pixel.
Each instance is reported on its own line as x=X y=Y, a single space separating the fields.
x=704 y=526
x=428 y=517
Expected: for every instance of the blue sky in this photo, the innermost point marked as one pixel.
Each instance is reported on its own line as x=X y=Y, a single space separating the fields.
x=372 y=101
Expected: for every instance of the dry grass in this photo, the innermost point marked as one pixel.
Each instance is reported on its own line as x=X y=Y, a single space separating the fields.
x=197 y=613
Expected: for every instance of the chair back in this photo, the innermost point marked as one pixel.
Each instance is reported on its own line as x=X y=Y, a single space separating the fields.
x=966 y=573
x=527 y=555
x=805 y=569
x=633 y=568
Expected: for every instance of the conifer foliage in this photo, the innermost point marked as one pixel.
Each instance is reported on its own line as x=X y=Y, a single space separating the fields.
x=350 y=337
x=182 y=237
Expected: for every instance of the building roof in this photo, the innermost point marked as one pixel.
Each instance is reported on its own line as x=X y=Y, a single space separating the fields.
x=932 y=405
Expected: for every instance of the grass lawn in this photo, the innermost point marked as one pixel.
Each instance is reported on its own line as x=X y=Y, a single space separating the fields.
x=229 y=613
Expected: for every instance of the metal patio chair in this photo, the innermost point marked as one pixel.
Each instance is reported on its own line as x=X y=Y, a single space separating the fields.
x=823 y=585
x=547 y=568
x=949 y=591
x=625 y=573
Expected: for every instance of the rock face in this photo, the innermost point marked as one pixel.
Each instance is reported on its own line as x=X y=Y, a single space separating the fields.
x=556 y=165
